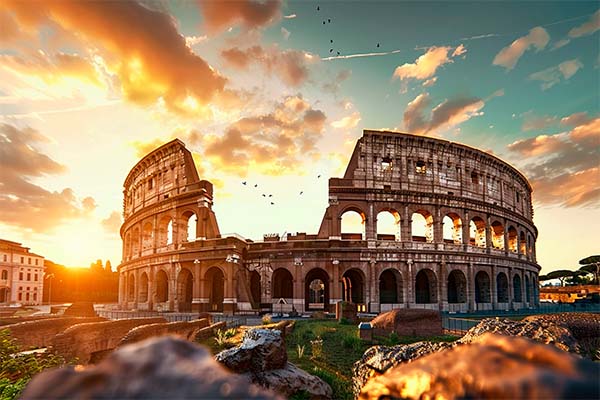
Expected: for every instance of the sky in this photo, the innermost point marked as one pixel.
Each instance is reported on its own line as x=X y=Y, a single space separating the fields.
x=276 y=93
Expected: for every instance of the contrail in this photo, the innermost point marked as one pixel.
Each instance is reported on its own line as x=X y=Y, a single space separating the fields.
x=360 y=55
x=481 y=36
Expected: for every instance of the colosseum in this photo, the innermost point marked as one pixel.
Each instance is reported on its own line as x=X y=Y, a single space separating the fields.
x=461 y=238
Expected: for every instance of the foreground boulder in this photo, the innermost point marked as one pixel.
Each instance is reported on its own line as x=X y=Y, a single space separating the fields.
x=262 y=358
x=158 y=368
x=491 y=367
x=408 y=322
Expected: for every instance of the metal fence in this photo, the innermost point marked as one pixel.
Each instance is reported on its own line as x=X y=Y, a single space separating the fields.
x=230 y=320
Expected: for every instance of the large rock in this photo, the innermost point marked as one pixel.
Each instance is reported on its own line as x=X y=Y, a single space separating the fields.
x=261 y=350
x=408 y=322
x=539 y=329
x=378 y=359
x=491 y=367
x=81 y=309
x=157 y=368
x=262 y=358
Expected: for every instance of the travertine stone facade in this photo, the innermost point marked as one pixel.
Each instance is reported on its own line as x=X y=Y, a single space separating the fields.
x=461 y=237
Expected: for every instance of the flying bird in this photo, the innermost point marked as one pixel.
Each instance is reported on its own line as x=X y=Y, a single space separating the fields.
x=318 y=176
x=331 y=50
x=272 y=203
x=318 y=8
x=256 y=185
x=330 y=40
x=243 y=183
x=377 y=44
x=338 y=53
x=270 y=195
x=328 y=20
x=301 y=192
x=264 y=195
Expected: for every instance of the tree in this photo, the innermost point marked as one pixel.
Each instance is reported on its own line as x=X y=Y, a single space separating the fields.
x=591 y=264
x=560 y=274
x=108 y=266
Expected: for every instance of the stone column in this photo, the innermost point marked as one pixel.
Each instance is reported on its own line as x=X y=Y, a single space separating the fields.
x=438 y=226
x=443 y=286
x=488 y=234
x=373 y=300
x=405 y=234
x=410 y=283
x=471 y=287
x=172 y=284
x=155 y=233
x=494 y=288
x=370 y=223
x=196 y=288
x=511 y=289
x=121 y=285
x=466 y=229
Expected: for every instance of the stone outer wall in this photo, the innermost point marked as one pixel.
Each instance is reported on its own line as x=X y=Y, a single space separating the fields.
x=185 y=329
x=39 y=333
x=80 y=341
x=209 y=331
x=404 y=175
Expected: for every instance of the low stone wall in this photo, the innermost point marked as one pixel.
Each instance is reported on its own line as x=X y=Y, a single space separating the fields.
x=39 y=333
x=186 y=329
x=209 y=331
x=15 y=320
x=80 y=341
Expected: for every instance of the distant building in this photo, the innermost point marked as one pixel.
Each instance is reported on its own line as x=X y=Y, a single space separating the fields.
x=21 y=274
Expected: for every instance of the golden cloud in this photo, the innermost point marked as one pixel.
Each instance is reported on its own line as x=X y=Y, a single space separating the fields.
x=24 y=204
x=426 y=65
x=291 y=66
x=220 y=15
x=142 y=47
x=563 y=168
x=510 y=55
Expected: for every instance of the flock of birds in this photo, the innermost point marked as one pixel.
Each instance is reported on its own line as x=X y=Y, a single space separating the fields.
x=270 y=195
x=328 y=21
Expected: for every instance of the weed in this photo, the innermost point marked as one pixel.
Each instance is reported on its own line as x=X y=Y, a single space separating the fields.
x=316 y=347
x=351 y=341
x=300 y=350
x=267 y=319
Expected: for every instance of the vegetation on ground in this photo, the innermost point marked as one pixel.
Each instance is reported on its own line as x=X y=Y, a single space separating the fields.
x=17 y=369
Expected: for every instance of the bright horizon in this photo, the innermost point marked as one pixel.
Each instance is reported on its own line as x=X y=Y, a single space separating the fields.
x=259 y=93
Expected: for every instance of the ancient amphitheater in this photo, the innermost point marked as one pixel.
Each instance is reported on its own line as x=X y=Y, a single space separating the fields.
x=462 y=237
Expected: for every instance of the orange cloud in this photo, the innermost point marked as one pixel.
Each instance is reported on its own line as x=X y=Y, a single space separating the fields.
x=276 y=143
x=445 y=115
x=141 y=46
x=563 y=168
x=24 y=204
x=588 y=27
x=347 y=122
x=426 y=65
x=291 y=66
x=52 y=68
x=510 y=55
x=112 y=223
x=220 y=15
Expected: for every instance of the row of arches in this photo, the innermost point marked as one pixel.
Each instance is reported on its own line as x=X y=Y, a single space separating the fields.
x=146 y=236
x=388 y=227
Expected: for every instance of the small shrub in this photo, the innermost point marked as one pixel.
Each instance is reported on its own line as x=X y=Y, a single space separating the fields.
x=229 y=333
x=316 y=347
x=300 y=350
x=392 y=340
x=351 y=342
x=267 y=319
x=220 y=337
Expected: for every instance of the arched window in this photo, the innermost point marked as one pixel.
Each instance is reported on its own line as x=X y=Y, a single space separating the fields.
x=512 y=239
x=143 y=296
x=482 y=287
x=477 y=232
x=390 y=287
x=502 y=287
x=353 y=225
x=422 y=226
x=147 y=236
x=4 y=275
x=497 y=235
x=388 y=225
x=162 y=286
x=457 y=287
x=425 y=287
x=522 y=243
x=452 y=228
x=518 y=296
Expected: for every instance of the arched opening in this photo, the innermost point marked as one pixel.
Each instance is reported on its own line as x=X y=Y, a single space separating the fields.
x=502 y=287
x=135 y=242
x=482 y=287
x=185 y=290
x=4 y=295
x=283 y=284
x=425 y=287
x=529 y=246
x=143 y=294
x=165 y=231
x=255 y=289
x=452 y=228
x=4 y=275
x=215 y=288
x=190 y=222
x=353 y=225
x=131 y=288
x=457 y=287
x=147 y=236
x=353 y=286
x=316 y=290
x=388 y=225
x=390 y=287
x=522 y=244
x=162 y=287
x=512 y=239
x=518 y=297
x=477 y=232
x=527 y=290
x=497 y=235
x=422 y=226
